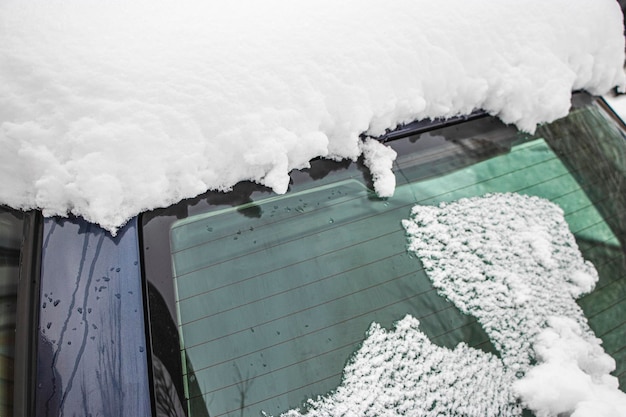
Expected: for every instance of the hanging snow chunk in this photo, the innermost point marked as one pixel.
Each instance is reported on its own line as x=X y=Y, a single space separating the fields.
x=379 y=159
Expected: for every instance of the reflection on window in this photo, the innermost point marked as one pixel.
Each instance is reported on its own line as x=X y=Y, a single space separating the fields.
x=10 y=244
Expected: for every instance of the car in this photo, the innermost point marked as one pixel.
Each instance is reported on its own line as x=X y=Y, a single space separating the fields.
x=248 y=302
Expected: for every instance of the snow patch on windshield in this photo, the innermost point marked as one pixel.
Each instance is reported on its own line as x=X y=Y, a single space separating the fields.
x=400 y=372
x=113 y=108
x=507 y=259
x=510 y=261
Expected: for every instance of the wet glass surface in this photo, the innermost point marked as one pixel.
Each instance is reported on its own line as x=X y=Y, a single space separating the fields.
x=92 y=347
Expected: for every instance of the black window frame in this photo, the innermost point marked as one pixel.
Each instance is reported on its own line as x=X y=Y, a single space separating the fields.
x=27 y=318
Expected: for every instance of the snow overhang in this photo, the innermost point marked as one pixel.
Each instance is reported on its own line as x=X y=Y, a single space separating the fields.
x=110 y=109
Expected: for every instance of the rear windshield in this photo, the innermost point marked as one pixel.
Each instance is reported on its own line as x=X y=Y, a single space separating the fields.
x=258 y=301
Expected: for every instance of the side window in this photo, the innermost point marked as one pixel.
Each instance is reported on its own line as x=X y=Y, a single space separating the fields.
x=11 y=233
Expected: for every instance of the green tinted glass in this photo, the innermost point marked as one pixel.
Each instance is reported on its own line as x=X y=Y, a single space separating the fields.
x=273 y=296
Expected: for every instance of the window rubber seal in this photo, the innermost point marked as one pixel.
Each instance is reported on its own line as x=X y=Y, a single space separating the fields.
x=27 y=317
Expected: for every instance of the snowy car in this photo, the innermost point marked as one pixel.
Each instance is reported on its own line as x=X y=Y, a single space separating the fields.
x=249 y=302
x=323 y=208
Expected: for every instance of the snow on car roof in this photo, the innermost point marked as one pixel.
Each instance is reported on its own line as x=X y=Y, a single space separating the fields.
x=110 y=108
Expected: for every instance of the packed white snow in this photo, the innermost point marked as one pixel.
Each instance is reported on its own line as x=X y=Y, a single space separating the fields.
x=110 y=108
x=510 y=261
x=379 y=158
x=572 y=377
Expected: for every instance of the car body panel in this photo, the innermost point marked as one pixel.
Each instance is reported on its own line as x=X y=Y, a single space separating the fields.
x=92 y=354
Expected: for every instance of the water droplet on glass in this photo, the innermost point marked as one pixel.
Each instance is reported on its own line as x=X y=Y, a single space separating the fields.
x=48 y=325
x=118 y=269
x=331 y=221
x=118 y=296
x=56 y=302
x=140 y=348
x=80 y=310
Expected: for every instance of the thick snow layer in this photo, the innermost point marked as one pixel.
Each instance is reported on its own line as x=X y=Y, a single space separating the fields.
x=572 y=377
x=111 y=108
x=510 y=261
